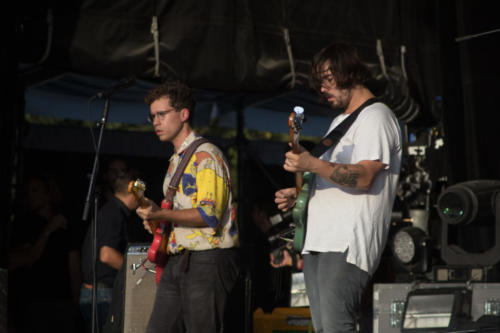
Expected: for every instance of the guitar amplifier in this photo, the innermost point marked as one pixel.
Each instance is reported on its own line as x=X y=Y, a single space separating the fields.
x=140 y=289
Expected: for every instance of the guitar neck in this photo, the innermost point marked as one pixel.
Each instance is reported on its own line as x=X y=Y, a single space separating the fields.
x=299 y=179
x=143 y=202
x=294 y=124
x=295 y=143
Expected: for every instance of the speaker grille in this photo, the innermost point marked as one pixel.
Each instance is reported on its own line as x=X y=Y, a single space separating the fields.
x=140 y=289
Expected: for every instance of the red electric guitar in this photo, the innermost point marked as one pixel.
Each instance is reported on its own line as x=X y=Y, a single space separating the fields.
x=157 y=252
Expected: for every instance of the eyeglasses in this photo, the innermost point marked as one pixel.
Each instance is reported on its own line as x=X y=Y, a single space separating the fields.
x=160 y=114
x=327 y=80
x=323 y=79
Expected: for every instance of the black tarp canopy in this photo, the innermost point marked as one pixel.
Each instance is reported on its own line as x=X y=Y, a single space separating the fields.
x=240 y=47
x=256 y=46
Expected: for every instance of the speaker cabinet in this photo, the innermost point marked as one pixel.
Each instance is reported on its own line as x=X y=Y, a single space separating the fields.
x=140 y=289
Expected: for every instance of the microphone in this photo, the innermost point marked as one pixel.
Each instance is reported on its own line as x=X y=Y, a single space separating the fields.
x=123 y=84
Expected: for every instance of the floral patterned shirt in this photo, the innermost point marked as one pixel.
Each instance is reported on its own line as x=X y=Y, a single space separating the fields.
x=205 y=185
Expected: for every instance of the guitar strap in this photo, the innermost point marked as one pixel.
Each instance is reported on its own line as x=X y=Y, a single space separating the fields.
x=172 y=190
x=333 y=138
x=174 y=182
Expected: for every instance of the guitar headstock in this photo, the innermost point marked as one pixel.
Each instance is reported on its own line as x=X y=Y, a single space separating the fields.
x=296 y=118
x=137 y=188
x=295 y=123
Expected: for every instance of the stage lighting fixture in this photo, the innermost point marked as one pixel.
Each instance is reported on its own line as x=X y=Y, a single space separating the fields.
x=436 y=310
x=467 y=202
x=470 y=229
x=411 y=249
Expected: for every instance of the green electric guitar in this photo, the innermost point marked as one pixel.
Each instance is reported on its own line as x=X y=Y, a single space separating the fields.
x=302 y=182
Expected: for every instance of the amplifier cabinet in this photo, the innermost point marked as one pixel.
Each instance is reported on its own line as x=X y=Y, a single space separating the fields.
x=389 y=301
x=140 y=289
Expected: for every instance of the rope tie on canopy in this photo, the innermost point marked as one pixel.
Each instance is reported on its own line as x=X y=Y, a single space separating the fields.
x=286 y=37
x=156 y=41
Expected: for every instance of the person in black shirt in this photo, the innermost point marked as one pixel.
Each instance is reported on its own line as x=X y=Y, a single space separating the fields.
x=112 y=221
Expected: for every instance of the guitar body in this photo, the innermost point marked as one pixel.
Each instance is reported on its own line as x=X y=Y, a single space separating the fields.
x=299 y=213
x=157 y=252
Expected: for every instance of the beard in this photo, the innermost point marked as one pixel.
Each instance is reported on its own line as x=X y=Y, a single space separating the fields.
x=340 y=100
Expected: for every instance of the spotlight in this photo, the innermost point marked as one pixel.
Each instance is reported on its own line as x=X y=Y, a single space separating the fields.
x=470 y=232
x=411 y=249
x=466 y=202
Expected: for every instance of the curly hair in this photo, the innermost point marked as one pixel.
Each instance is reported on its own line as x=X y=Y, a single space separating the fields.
x=345 y=65
x=179 y=94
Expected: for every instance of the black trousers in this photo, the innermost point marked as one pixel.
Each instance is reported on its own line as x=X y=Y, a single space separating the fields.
x=193 y=291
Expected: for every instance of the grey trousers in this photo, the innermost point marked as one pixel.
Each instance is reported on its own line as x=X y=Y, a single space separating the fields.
x=193 y=292
x=334 y=288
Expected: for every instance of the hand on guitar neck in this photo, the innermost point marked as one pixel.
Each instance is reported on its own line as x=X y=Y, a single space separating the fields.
x=157 y=252
x=298 y=160
x=147 y=211
x=146 y=207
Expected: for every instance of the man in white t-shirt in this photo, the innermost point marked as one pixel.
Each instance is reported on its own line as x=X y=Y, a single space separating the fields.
x=352 y=194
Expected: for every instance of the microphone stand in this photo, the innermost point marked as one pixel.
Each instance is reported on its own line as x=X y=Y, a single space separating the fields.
x=90 y=195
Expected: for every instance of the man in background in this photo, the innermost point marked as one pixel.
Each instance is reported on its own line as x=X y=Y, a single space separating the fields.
x=111 y=240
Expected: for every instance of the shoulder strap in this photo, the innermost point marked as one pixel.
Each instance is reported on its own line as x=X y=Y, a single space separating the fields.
x=332 y=138
x=174 y=182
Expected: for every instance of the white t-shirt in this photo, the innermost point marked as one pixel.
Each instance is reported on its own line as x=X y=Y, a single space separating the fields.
x=340 y=218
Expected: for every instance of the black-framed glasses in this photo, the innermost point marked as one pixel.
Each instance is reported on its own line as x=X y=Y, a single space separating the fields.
x=160 y=114
x=323 y=78
x=327 y=80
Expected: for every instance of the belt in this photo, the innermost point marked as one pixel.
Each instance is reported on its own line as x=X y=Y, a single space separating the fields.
x=201 y=252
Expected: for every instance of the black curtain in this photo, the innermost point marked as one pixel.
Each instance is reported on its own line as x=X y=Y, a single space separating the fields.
x=471 y=70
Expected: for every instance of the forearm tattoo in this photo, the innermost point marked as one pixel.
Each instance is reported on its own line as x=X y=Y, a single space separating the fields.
x=345 y=177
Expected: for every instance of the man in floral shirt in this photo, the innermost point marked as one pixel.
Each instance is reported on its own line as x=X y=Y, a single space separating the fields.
x=206 y=186
x=203 y=265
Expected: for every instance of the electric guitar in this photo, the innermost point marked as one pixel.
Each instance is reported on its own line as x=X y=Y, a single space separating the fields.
x=302 y=181
x=157 y=252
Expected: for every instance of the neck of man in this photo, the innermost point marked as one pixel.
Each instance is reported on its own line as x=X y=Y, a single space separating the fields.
x=181 y=136
x=127 y=199
x=359 y=95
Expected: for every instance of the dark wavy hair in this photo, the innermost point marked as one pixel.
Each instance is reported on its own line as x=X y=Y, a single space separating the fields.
x=345 y=64
x=179 y=94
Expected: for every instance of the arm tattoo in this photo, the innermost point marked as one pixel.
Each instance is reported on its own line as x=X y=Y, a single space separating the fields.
x=345 y=177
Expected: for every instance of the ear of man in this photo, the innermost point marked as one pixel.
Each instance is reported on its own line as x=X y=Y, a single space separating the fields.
x=185 y=113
